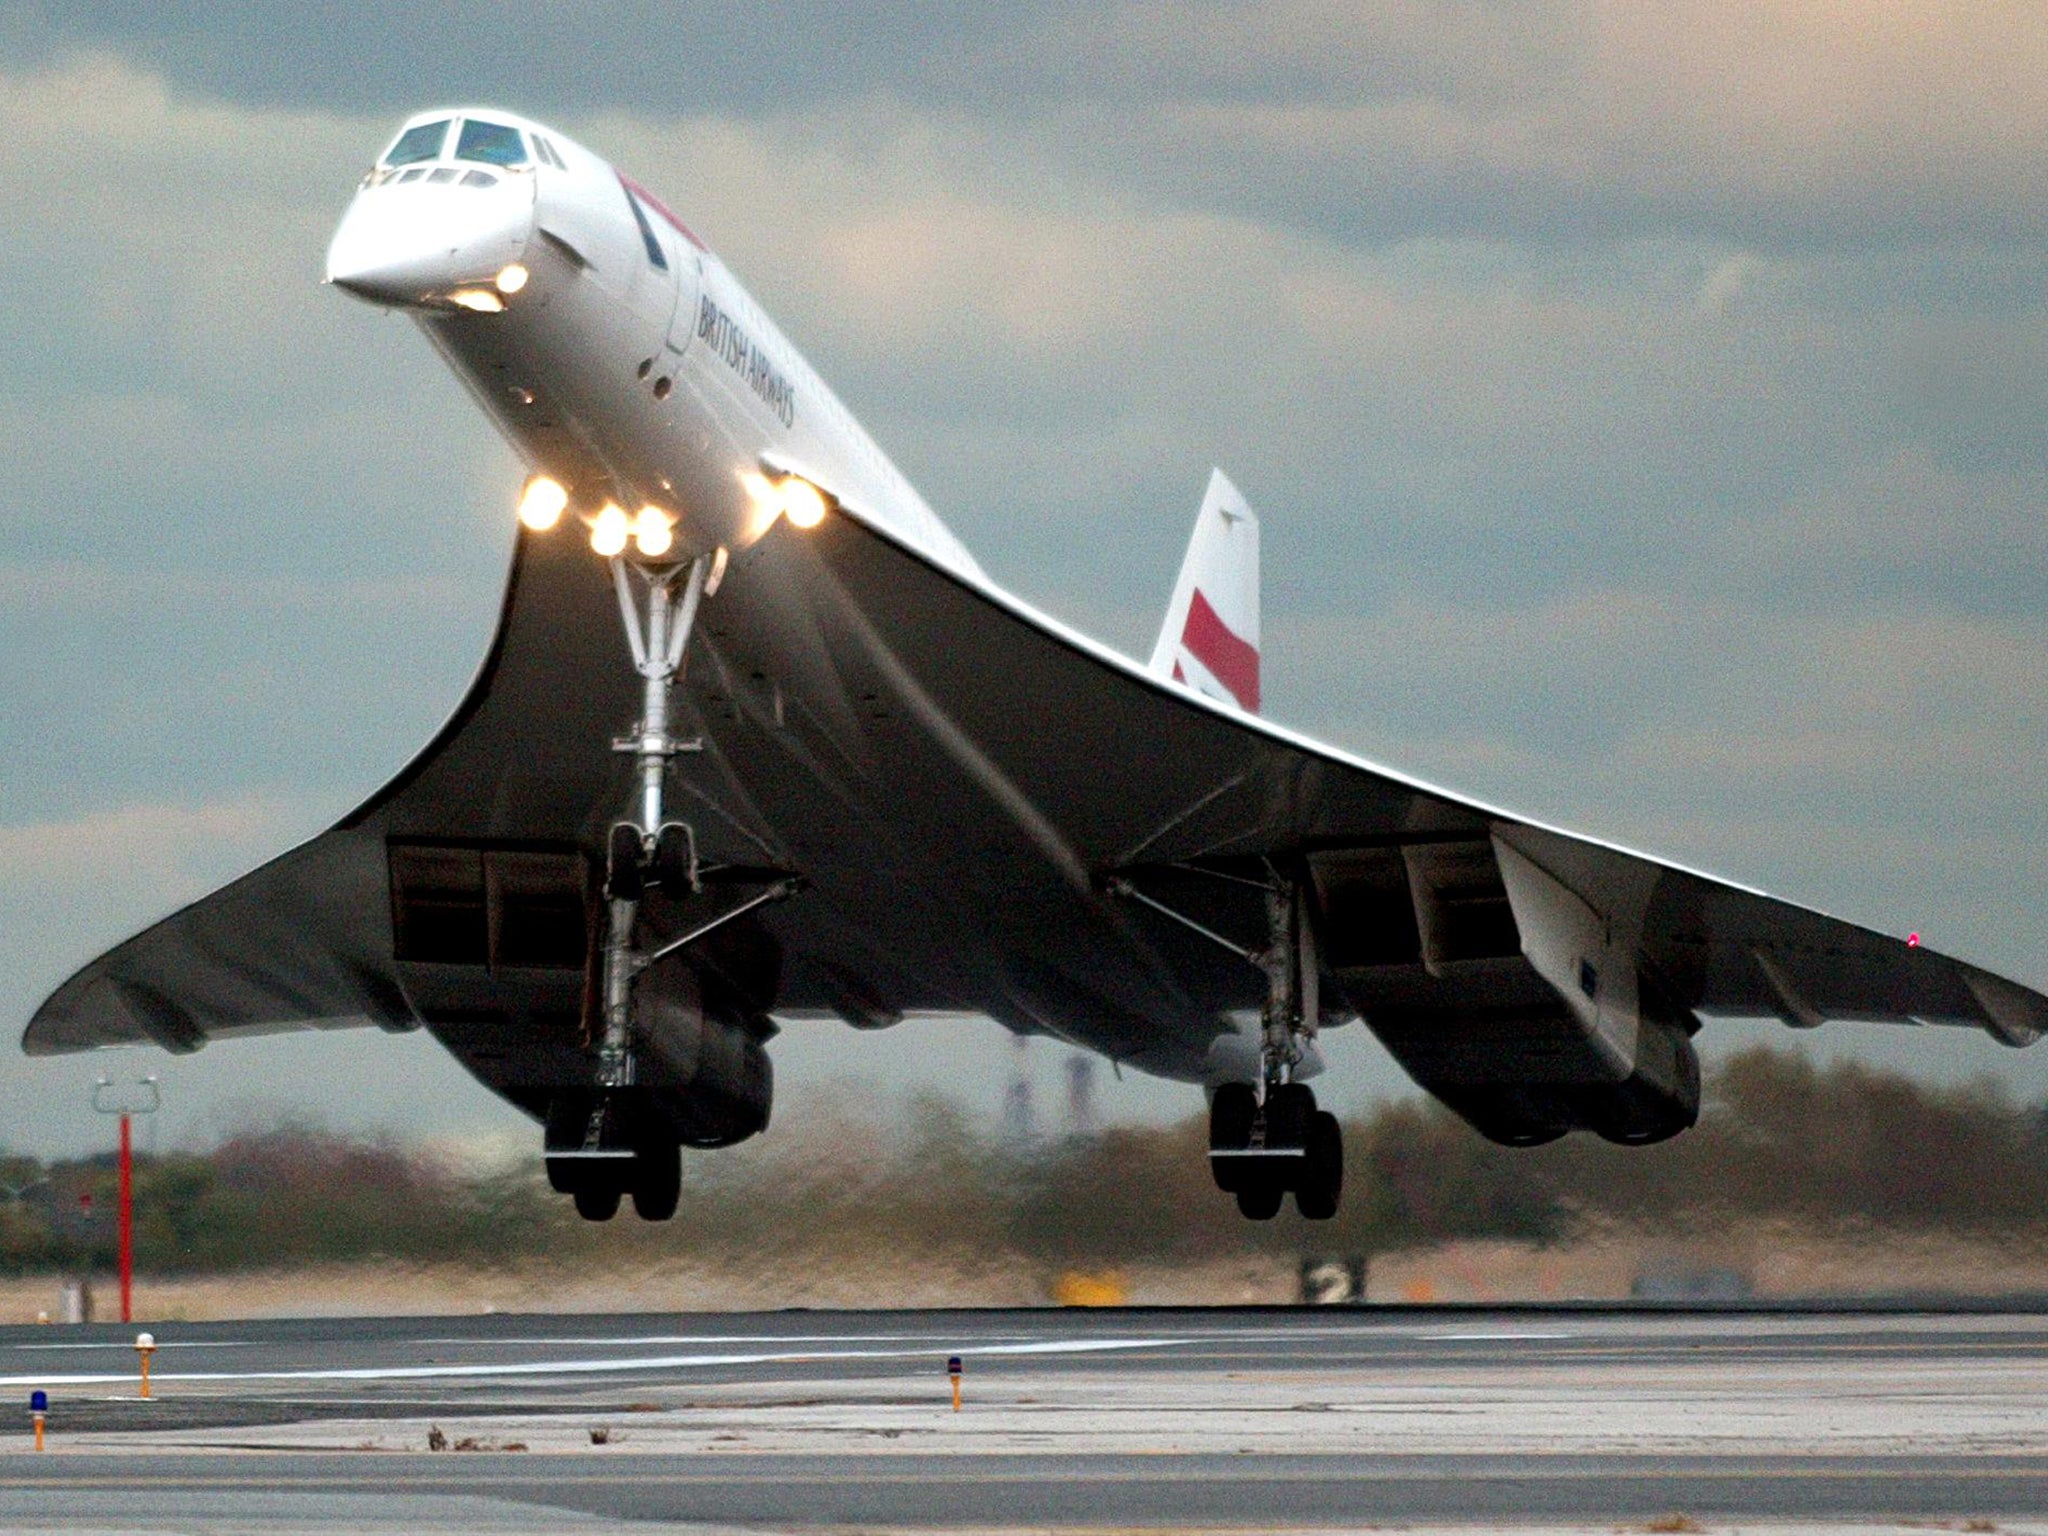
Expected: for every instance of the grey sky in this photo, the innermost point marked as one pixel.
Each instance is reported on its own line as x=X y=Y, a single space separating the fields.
x=1645 y=405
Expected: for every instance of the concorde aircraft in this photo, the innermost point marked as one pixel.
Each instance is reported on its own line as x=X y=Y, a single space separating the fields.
x=756 y=739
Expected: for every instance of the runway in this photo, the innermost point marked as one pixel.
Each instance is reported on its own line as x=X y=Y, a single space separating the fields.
x=1237 y=1420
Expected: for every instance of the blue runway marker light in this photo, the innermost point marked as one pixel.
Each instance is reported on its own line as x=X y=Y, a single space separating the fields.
x=38 y=1405
x=953 y=1370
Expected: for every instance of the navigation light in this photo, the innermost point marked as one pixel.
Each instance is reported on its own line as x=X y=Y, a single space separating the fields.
x=512 y=279
x=541 y=503
x=482 y=300
x=608 y=530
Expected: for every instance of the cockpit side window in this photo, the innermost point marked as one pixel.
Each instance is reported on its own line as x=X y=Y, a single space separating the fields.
x=422 y=141
x=490 y=143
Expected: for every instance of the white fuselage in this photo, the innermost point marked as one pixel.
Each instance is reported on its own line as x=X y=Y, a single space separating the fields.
x=629 y=365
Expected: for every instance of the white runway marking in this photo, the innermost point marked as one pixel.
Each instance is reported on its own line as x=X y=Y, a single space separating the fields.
x=622 y=1341
x=594 y=1367
x=1488 y=1338
x=129 y=1345
x=644 y=1340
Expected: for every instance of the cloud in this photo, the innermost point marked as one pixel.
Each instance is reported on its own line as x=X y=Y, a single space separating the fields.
x=74 y=886
x=1781 y=124
x=166 y=853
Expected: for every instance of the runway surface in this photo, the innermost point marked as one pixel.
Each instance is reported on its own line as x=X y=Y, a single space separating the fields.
x=1326 y=1419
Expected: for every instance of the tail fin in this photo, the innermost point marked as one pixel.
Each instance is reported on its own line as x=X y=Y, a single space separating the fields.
x=1210 y=640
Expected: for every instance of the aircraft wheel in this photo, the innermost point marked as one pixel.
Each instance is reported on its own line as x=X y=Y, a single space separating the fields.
x=673 y=859
x=657 y=1181
x=1290 y=1111
x=1259 y=1199
x=1232 y=1113
x=597 y=1202
x=1322 y=1180
x=624 y=879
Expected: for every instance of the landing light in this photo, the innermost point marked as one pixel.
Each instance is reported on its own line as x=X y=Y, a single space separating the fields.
x=512 y=279
x=541 y=504
x=608 y=530
x=653 y=533
x=802 y=502
x=790 y=496
x=482 y=300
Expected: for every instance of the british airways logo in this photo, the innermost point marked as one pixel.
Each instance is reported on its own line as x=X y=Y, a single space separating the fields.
x=1224 y=655
x=744 y=356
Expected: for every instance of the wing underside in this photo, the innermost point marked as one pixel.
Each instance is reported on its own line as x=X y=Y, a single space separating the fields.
x=965 y=786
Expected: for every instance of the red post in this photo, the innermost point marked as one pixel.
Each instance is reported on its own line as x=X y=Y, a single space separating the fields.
x=127 y=1223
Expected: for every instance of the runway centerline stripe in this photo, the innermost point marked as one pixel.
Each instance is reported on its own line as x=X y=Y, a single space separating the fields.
x=596 y=1367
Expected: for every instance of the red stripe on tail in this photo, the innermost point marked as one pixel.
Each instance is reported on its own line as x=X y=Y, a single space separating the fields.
x=1230 y=660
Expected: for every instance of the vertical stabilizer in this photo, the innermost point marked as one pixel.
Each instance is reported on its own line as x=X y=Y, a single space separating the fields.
x=1210 y=640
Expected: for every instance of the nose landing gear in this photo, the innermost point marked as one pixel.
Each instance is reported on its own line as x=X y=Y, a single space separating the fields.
x=611 y=1143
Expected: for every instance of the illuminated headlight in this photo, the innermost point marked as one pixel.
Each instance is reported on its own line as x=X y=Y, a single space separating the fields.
x=608 y=530
x=653 y=533
x=541 y=503
x=512 y=279
x=482 y=300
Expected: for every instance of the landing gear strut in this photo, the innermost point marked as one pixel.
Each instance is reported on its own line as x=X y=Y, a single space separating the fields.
x=632 y=862
x=600 y=1150
x=1268 y=1137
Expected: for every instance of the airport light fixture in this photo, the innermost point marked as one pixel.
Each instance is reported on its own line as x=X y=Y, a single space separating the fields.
x=127 y=1100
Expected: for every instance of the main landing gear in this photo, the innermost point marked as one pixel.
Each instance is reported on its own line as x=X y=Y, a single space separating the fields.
x=1267 y=1138
x=612 y=1142
x=1263 y=1144
x=1258 y=1152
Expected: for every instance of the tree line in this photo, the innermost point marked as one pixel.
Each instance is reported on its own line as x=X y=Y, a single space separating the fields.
x=1832 y=1147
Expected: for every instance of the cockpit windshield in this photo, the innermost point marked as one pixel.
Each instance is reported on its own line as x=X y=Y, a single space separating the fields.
x=490 y=143
x=422 y=141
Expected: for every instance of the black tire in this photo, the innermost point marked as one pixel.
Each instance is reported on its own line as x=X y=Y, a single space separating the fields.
x=672 y=860
x=657 y=1181
x=568 y=1120
x=597 y=1202
x=1232 y=1114
x=625 y=879
x=1290 y=1110
x=1259 y=1199
x=1322 y=1180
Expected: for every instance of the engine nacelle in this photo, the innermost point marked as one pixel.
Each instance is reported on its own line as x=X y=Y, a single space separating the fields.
x=1657 y=1100
x=1509 y=985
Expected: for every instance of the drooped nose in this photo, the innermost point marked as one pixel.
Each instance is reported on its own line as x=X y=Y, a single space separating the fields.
x=417 y=242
